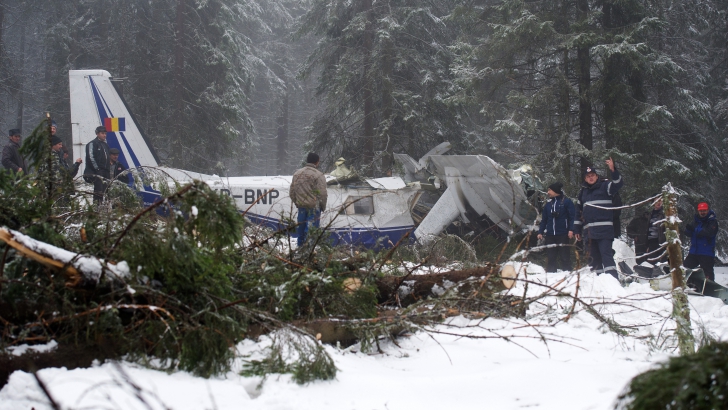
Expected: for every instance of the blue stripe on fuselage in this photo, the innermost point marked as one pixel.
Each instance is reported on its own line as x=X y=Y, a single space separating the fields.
x=369 y=237
x=111 y=139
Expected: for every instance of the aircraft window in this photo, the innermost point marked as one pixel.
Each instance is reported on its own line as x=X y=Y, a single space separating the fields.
x=358 y=205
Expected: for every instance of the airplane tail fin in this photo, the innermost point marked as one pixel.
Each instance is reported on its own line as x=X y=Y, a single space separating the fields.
x=96 y=101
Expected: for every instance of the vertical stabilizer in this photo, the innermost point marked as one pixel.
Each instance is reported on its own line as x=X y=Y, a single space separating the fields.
x=95 y=101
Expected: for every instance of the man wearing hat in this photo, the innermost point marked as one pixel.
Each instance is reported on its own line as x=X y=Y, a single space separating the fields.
x=55 y=173
x=70 y=170
x=702 y=233
x=595 y=219
x=98 y=165
x=12 y=159
x=557 y=222
x=117 y=167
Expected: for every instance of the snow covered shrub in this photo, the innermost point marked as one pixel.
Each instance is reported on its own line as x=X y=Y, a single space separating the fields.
x=696 y=381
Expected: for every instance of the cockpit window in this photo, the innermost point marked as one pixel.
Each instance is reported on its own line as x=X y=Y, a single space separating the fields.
x=358 y=205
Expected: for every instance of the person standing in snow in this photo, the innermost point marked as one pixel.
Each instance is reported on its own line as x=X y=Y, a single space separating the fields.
x=71 y=169
x=11 y=159
x=117 y=168
x=648 y=233
x=656 y=236
x=98 y=166
x=557 y=223
x=638 y=229
x=308 y=192
x=702 y=233
x=596 y=223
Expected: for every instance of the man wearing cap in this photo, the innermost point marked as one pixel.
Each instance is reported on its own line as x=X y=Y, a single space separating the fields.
x=70 y=170
x=98 y=165
x=308 y=192
x=702 y=233
x=12 y=160
x=594 y=219
x=56 y=171
x=557 y=222
x=117 y=167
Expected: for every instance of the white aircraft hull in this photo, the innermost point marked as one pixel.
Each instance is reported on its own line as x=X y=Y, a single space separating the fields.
x=374 y=213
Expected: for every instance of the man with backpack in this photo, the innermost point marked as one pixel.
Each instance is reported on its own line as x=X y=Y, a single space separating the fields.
x=595 y=218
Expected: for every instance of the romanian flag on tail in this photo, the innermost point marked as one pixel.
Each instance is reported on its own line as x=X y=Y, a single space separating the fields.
x=115 y=124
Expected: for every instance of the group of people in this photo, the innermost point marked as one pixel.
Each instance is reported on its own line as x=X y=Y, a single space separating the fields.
x=592 y=219
x=102 y=162
x=61 y=169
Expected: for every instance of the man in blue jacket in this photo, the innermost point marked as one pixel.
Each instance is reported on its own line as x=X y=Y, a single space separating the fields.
x=557 y=222
x=702 y=233
x=595 y=218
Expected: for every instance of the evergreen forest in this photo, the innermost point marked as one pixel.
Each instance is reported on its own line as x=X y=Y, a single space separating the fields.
x=246 y=87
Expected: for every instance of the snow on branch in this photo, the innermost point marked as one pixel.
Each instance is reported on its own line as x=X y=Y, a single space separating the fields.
x=77 y=268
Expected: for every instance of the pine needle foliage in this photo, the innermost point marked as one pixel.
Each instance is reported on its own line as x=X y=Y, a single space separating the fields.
x=697 y=381
x=294 y=353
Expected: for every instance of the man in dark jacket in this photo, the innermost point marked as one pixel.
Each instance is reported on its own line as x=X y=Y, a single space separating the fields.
x=595 y=218
x=702 y=233
x=648 y=233
x=98 y=166
x=638 y=229
x=71 y=169
x=117 y=167
x=656 y=236
x=12 y=160
x=557 y=222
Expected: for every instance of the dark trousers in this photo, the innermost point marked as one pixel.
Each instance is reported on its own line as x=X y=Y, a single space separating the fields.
x=602 y=257
x=558 y=255
x=639 y=252
x=99 y=189
x=306 y=218
x=704 y=261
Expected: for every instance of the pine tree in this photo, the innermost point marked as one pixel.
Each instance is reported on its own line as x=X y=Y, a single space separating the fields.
x=384 y=75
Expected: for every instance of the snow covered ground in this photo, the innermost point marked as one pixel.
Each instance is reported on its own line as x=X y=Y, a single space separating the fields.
x=546 y=363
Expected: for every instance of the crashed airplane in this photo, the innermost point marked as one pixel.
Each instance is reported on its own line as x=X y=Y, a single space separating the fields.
x=361 y=211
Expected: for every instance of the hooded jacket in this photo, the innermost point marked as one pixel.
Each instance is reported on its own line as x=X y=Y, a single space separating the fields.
x=702 y=234
x=597 y=223
x=563 y=222
x=308 y=188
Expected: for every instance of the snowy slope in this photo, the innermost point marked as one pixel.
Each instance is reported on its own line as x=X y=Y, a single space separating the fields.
x=545 y=364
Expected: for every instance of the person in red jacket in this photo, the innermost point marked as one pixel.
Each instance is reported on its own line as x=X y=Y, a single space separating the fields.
x=702 y=233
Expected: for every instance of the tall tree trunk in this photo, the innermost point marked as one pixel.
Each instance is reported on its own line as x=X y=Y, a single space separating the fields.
x=20 y=73
x=282 y=132
x=611 y=76
x=565 y=106
x=680 y=307
x=178 y=79
x=388 y=138
x=3 y=69
x=585 y=107
x=368 y=49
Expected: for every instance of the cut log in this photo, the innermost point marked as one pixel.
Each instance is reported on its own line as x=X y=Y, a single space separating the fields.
x=73 y=276
x=409 y=289
x=79 y=270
